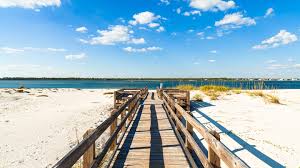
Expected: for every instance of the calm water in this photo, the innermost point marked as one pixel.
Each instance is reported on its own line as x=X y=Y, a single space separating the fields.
x=84 y=84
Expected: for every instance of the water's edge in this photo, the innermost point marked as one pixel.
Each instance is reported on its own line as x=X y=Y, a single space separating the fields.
x=151 y=84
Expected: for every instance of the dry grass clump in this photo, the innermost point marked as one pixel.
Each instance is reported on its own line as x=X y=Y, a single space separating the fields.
x=267 y=97
x=256 y=93
x=272 y=99
x=214 y=91
x=215 y=88
x=198 y=98
x=186 y=87
x=236 y=90
x=214 y=96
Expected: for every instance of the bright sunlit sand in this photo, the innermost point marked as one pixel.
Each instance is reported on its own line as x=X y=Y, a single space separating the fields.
x=263 y=134
x=41 y=126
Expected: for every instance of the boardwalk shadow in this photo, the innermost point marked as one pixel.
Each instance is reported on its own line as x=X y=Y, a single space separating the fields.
x=128 y=141
x=156 y=149
x=196 y=106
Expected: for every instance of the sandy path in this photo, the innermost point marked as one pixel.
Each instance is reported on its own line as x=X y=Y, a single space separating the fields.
x=262 y=134
x=37 y=131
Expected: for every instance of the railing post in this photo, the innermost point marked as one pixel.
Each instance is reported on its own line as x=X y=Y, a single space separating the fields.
x=115 y=99
x=89 y=155
x=123 y=114
x=113 y=127
x=189 y=128
x=188 y=102
x=213 y=158
x=129 y=109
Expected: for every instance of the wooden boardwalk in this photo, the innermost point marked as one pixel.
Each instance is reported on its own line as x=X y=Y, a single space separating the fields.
x=150 y=140
x=147 y=131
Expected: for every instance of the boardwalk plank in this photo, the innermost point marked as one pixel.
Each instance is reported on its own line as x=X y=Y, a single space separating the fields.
x=150 y=141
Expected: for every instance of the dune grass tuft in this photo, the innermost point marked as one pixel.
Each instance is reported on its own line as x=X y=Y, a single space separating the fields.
x=198 y=98
x=267 y=97
x=213 y=91
x=256 y=93
x=186 y=87
x=272 y=99
x=215 y=88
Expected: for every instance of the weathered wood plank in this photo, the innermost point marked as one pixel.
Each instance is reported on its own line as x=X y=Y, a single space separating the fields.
x=150 y=141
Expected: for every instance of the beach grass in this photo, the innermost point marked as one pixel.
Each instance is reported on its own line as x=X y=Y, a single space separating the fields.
x=198 y=98
x=267 y=97
x=272 y=99
x=214 y=88
x=186 y=87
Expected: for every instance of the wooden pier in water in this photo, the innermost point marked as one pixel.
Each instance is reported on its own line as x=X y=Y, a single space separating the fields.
x=150 y=129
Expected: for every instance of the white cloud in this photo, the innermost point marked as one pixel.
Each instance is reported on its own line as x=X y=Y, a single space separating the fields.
x=186 y=14
x=72 y=57
x=166 y=2
x=133 y=50
x=211 y=60
x=212 y=5
x=111 y=36
x=56 y=49
x=283 y=66
x=277 y=66
x=271 y=61
x=83 y=41
x=235 y=20
x=269 y=12
x=154 y=48
x=8 y=50
x=152 y=25
x=44 y=49
x=200 y=34
x=160 y=29
x=29 y=4
x=190 y=13
x=81 y=29
x=282 y=38
x=178 y=10
x=213 y=51
x=138 y=41
x=210 y=38
x=144 y=18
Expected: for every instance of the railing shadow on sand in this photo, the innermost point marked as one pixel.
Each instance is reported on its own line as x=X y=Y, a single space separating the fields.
x=196 y=106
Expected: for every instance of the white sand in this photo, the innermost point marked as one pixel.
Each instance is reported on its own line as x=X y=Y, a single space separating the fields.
x=262 y=134
x=37 y=131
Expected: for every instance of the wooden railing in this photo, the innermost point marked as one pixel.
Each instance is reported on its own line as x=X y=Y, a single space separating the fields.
x=126 y=103
x=217 y=151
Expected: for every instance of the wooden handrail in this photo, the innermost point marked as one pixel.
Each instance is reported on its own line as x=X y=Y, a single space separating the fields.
x=73 y=156
x=230 y=159
x=196 y=148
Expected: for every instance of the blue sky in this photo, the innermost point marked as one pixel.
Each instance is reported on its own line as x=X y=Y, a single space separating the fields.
x=154 y=38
